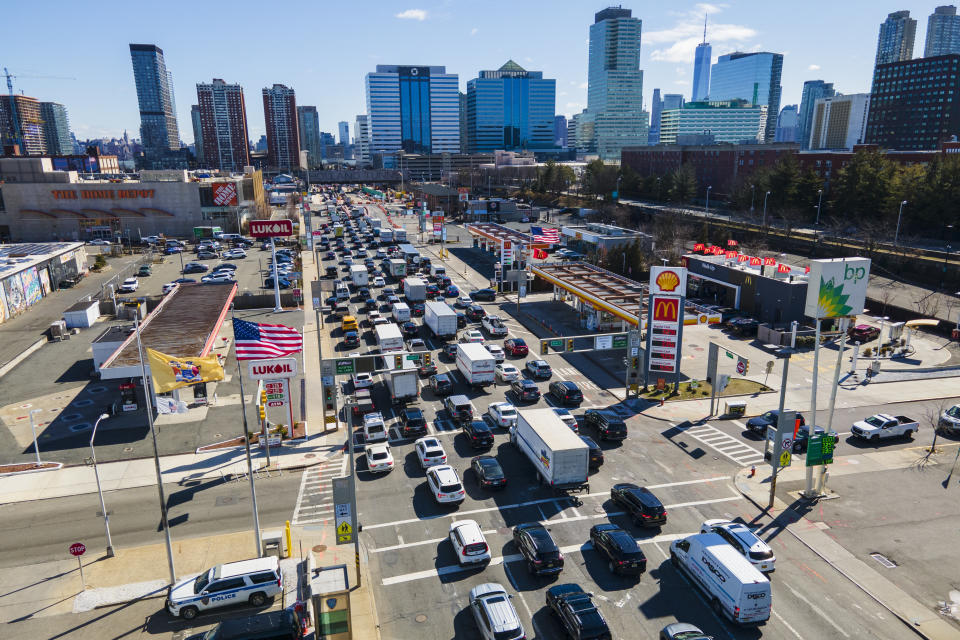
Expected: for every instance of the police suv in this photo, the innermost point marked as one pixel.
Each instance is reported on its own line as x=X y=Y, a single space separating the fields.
x=252 y=581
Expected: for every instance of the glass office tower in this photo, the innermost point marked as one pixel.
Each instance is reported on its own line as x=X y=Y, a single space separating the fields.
x=416 y=109
x=754 y=77
x=510 y=109
x=158 y=120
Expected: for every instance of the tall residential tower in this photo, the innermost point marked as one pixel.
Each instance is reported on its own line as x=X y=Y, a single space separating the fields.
x=943 y=32
x=223 y=125
x=56 y=129
x=813 y=90
x=308 y=125
x=280 y=116
x=158 y=120
x=895 y=42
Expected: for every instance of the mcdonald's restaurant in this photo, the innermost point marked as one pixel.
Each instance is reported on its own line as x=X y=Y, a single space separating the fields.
x=763 y=288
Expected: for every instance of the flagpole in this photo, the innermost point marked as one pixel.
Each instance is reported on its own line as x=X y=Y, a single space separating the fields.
x=246 y=442
x=156 y=455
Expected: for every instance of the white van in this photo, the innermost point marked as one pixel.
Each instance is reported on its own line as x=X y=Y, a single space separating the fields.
x=401 y=312
x=252 y=581
x=734 y=587
x=437 y=270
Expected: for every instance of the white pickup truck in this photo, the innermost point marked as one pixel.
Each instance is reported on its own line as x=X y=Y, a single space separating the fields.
x=494 y=325
x=882 y=425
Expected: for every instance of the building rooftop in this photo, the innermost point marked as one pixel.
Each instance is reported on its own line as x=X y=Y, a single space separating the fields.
x=15 y=258
x=116 y=333
x=435 y=190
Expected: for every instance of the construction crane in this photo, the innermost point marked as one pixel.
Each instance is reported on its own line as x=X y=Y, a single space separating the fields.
x=17 y=136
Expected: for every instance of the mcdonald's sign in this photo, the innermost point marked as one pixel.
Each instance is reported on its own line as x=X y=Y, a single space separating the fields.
x=769 y=262
x=666 y=309
x=782 y=268
x=699 y=247
x=742 y=258
x=731 y=243
x=730 y=255
x=755 y=262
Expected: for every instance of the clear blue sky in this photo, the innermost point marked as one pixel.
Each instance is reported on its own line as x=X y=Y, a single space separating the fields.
x=323 y=48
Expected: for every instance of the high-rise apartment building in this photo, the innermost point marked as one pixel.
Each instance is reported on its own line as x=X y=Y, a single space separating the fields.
x=280 y=115
x=702 y=58
x=308 y=124
x=510 y=109
x=463 y=121
x=560 y=131
x=414 y=109
x=615 y=84
x=813 y=90
x=343 y=128
x=943 y=32
x=839 y=122
x=56 y=129
x=158 y=120
x=21 y=123
x=223 y=125
x=656 y=109
x=754 y=77
x=787 y=121
x=704 y=123
x=197 y=134
x=895 y=42
x=915 y=104
x=361 y=134
x=572 y=132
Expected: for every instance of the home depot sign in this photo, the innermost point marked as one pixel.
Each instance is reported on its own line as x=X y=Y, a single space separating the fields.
x=225 y=194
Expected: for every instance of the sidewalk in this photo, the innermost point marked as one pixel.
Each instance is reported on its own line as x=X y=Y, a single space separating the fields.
x=923 y=620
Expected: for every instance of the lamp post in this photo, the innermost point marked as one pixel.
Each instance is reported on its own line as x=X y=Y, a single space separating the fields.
x=708 y=198
x=619 y=178
x=36 y=447
x=658 y=189
x=96 y=473
x=819 y=202
x=753 y=192
x=765 y=209
x=896 y=233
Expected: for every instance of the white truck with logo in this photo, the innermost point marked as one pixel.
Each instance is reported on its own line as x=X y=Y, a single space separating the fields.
x=388 y=337
x=475 y=363
x=560 y=457
x=359 y=275
x=731 y=584
x=441 y=319
x=397 y=267
x=399 y=235
x=881 y=426
x=415 y=289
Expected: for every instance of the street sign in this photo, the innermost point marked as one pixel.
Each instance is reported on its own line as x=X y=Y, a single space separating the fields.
x=741 y=367
x=277 y=367
x=783 y=440
x=344 y=367
x=784 y=459
x=271 y=228
x=556 y=344
x=603 y=342
x=78 y=549
x=620 y=341
x=342 y=510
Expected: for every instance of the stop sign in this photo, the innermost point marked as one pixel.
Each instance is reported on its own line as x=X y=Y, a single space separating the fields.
x=741 y=367
x=77 y=549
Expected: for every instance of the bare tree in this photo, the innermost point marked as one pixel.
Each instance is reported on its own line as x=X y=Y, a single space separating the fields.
x=929 y=305
x=931 y=417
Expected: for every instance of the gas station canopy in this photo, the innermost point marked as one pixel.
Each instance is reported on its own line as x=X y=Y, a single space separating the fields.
x=598 y=287
x=497 y=233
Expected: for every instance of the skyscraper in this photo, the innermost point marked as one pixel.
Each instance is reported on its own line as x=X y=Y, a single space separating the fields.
x=510 y=109
x=615 y=84
x=416 y=109
x=656 y=109
x=197 y=134
x=560 y=131
x=280 y=116
x=343 y=128
x=672 y=101
x=943 y=32
x=158 y=120
x=22 y=123
x=839 y=122
x=361 y=132
x=223 y=125
x=308 y=123
x=787 y=129
x=754 y=77
x=701 y=67
x=895 y=42
x=813 y=90
x=56 y=129
x=463 y=121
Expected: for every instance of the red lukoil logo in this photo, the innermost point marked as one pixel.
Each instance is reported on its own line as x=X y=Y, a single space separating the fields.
x=271 y=369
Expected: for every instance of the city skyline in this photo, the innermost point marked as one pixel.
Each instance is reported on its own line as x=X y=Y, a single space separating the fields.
x=669 y=43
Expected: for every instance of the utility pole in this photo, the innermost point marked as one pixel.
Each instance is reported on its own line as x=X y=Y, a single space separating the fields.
x=896 y=233
x=786 y=353
x=765 y=209
x=808 y=491
x=819 y=202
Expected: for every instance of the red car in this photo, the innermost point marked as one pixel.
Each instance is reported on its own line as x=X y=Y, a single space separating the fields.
x=515 y=346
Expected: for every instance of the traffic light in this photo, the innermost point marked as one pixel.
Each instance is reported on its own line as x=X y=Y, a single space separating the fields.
x=263 y=413
x=427 y=358
x=544 y=345
x=397 y=362
x=328 y=398
x=636 y=363
x=263 y=398
x=570 y=344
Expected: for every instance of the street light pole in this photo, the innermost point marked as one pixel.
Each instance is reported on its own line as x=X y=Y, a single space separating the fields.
x=899 y=215
x=819 y=202
x=96 y=473
x=36 y=447
x=765 y=209
x=753 y=192
x=708 y=198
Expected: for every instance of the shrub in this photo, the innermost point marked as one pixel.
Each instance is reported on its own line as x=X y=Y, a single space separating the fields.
x=99 y=262
x=867 y=352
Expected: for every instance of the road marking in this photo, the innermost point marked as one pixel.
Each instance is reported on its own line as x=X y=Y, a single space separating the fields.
x=735 y=449
x=786 y=624
x=817 y=610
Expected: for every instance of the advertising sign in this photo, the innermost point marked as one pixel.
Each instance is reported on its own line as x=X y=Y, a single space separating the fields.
x=837 y=287
x=274 y=368
x=506 y=253
x=672 y=280
x=464 y=194
x=271 y=228
x=603 y=342
x=225 y=194
x=665 y=318
x=276 y=391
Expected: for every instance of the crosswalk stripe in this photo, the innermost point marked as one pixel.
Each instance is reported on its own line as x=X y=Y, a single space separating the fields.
x=725 y=444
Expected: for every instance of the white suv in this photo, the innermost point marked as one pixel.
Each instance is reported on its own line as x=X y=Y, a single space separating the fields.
x=741 y=538
x=445 y=485
x=252 y=581
x=373 y=428
x=494 y=613
x=468 y=542
x=430 y=452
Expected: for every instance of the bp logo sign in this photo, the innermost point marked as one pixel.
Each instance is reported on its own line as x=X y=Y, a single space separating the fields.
x=837 y=288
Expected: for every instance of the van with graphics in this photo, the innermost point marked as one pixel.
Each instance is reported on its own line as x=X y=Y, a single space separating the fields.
x=732 y=585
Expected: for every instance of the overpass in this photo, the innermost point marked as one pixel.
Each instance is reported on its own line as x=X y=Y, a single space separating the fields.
x=352 y=176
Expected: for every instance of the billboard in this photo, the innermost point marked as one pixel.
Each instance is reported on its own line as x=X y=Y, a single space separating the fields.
x=837 y=287
x=225 y=194
x=671 y=280
x=666 y=315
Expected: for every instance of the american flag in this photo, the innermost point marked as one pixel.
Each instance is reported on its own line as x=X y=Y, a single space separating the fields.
x=256 y=340
x=548 y=236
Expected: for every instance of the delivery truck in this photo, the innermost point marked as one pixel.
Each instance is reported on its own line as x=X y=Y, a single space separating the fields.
x=404 y=384
x=397 y=267
x=415 y=289
x=399 y=235
x=359 y=275
x=441 y=319
x=388 y=337
x=560 y=458
x=386 y=236
x=475 y=363
x=401 y=312
x=338 y=230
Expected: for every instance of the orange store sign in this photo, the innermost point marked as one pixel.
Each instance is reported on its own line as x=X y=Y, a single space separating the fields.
x=101 y=194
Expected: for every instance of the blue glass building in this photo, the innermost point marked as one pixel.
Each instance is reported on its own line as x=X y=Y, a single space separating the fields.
x=754 y=77
x=510 y=109
x=158 y=120
x=416 y=109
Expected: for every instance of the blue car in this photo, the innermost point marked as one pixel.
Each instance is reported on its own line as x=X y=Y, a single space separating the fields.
x=284 y=283
x=452 y=291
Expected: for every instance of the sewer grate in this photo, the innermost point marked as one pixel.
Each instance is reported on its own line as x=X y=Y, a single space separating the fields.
x=884 y=560
x=83 y=426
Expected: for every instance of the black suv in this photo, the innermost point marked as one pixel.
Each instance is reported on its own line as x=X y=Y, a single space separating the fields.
x=410 y=329
x=478 y=434
x=642 y=506
x=596 y=453
x=484 y=295
x=525 y=390
x=441 y=384
x=566 y=392
x=412 y=422
x=537 y=547
x=475 y=313
x=759 y=424
x=609 y=426
x=579 y=616
x=488 y=472
x=623 y=555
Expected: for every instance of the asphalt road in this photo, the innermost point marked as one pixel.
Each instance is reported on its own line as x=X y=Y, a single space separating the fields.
x=421 y=592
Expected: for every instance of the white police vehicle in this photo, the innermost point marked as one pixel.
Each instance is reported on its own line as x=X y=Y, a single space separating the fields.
x=253 y=581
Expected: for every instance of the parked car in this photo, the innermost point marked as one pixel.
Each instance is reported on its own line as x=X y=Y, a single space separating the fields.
x=623 y=555
x=144 y=271
x=759 y=424
x=802 y=437
x=207 y=254
x=863 y=333
x=129 y=285
x=488 y=472
x=283 y=282
x=195 y=267
x=644 y=508
x=538 y=548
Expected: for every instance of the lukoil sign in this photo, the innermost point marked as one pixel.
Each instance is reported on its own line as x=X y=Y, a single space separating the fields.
x=837 y=287
x=276 y=368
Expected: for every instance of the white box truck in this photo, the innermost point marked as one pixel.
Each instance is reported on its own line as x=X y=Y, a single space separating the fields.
x=401 y=312
x=397 y=267
x=415 y=289
x=437 y=270
x=475 y=363
x=560 y=457
x=404 y=384
x=375 y=222
x=388 y=337
x=732 y=585
x=386 y=236
x=359 y=275
x=399 y=235
x=441 y=319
